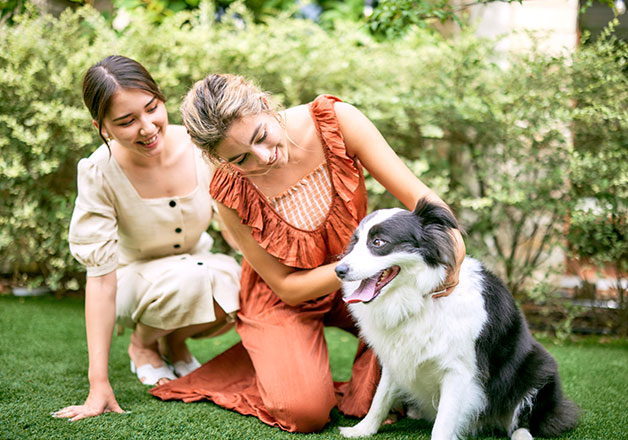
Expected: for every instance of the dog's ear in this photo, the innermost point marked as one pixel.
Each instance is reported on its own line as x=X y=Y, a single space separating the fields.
x=354 y=239
x=434 y=214
x=435 y=223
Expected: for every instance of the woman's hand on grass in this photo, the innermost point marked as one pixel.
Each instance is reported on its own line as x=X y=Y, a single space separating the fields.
x=98 y=402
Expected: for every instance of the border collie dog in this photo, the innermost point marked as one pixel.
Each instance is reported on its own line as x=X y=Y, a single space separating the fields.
x=466 y=361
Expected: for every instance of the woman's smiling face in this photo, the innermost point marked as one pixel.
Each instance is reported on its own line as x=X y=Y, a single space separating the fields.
x=254 y=144
x=137 y=120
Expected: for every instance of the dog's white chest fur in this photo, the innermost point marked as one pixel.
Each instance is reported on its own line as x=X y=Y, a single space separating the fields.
x=419 y=338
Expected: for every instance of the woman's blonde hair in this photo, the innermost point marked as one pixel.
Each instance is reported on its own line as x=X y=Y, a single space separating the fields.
x=214 y=103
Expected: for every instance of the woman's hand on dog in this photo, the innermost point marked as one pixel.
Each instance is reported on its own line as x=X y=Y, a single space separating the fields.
x=100 y=400
x=453 y=274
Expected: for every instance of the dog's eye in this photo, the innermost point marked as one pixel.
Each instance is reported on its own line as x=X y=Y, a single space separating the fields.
x=377 y=242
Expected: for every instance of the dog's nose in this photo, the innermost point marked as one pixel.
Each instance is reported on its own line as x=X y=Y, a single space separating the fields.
x=342 y=270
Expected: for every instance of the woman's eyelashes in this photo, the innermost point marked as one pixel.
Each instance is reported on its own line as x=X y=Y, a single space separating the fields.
x=130 y=121
x=242 y=159
x=262 y=137
x=245 y=156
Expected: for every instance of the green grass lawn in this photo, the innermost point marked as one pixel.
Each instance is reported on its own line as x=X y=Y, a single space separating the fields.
x=43 y=367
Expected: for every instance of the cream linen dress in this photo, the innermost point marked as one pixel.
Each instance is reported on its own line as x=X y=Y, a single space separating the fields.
x=167 y=276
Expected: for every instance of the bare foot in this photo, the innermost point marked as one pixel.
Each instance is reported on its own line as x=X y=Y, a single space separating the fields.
x=391 y=419
x=162 y=381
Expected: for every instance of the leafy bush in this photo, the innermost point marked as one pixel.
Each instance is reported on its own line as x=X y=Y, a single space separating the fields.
x=493 y=141
x=598 y=227
x=44 y=131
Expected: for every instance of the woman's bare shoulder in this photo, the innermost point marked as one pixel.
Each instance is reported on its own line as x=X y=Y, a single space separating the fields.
x=299 y=114
x=178 y=130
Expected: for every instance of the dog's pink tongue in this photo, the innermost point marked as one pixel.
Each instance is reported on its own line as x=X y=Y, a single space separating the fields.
x=364 y=293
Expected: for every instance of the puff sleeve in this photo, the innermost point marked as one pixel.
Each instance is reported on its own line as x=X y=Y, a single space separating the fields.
x=93 y=232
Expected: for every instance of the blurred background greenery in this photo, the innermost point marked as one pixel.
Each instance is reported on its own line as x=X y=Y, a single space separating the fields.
x=529 y=148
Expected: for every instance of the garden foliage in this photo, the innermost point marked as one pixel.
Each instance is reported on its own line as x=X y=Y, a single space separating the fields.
x=496 y=142
x=598 y=226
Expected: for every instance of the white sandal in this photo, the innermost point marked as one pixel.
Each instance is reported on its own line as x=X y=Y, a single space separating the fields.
x=151 y=374
x=181 y=368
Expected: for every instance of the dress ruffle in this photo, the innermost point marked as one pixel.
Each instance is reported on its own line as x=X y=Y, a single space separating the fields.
x=296 y=247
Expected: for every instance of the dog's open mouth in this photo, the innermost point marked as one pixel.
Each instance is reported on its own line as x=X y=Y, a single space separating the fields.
x=370 y=287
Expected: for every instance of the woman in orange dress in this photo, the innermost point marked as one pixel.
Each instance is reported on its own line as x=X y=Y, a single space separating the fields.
x=290 y=190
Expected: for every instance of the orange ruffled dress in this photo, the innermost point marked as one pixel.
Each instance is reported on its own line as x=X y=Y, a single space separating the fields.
x=280 y=371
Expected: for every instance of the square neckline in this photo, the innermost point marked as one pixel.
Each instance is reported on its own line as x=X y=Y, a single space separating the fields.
x=128 y=182
x=325 y=163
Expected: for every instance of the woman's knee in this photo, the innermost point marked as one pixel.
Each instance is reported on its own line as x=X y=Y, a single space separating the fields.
x=307 y=415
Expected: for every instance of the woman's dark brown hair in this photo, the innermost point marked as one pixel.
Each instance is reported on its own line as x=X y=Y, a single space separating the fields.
x=106 y=77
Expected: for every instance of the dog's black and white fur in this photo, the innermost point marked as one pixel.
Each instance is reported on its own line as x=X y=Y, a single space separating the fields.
x=466 y=361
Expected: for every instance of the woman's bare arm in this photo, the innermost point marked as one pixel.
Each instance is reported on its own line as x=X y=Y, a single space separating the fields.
x=292 y=285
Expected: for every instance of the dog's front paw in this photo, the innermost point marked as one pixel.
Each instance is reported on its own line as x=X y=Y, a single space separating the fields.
x=356 y=431
x=521 y=434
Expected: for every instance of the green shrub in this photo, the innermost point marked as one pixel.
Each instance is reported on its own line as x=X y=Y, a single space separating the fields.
x=44 y=131
x=598 y=227
x=493 y=141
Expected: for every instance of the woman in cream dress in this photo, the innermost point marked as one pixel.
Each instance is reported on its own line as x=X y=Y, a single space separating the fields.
x=139 y=227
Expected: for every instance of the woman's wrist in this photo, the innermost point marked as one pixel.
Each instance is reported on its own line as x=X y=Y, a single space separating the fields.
x=98 y=380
